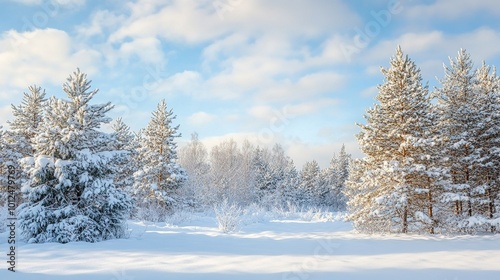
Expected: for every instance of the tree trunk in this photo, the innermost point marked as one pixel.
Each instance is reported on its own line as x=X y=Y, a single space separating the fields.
x=405 y=219
x=491 y=207
x=429 y=196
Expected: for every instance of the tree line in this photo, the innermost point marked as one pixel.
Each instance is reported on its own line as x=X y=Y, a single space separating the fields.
x=79 y=183
x=432 y=157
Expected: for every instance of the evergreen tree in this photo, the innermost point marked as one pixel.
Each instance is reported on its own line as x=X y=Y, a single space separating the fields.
x=27 y=118
x=336 y=175
x=159 y=177
x=311 y=183
x=395 y=140
x=70 y=194
x=265 y=181
x=289 y=187
x=19 y=140
x=124 y=141
x=461 y=121
x=488 y=89
x=280 y=169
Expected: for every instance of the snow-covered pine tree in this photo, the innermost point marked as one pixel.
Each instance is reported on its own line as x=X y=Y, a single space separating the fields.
x=394 y=177
x=311 y=184
x=278 y=163
x=18 y=141
x=124 y=141
x=289 y=186
x=336 y=175
x=488 y=90
x=361 y=192
x=265 y=180
x=70 y=194
x=27 y=117
x=460 y=124
x=159 y=176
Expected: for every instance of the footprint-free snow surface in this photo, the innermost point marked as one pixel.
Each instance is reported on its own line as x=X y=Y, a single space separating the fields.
x=273 y=249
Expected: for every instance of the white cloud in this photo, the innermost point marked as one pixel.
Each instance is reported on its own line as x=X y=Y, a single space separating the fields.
x=188 y=83
x=431 y=49
x=39 y=56
x=147 y=49
x=200 y=119
x=70 y=2
x=302 y=152
x=262 y=112
x=453 y=9
x=336 y=50
x=192 y=21
x=52 y=2
x=100 y=21
x=309 y=107
x=306 y=87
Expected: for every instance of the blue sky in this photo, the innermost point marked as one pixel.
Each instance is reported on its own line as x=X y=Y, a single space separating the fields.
x=297 y=72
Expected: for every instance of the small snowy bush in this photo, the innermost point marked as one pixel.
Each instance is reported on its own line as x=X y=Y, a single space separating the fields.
x=179 y=217
x=152 y=213
x=228 y=216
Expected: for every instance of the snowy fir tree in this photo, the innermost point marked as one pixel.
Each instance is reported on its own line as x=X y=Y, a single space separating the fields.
x=18 y=141
x=458 y=119
x=70 y=195
x=336 y=175
x=488 y=179
x=289 y=187
x=123 y=140
x=467 y=106
x=312 y=186
x=286 y=178
x=265 y=180
x=395 y=177
x=27 y=118
x=159 y=176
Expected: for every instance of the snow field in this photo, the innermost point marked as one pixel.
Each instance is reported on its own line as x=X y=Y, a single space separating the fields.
x=309 y=245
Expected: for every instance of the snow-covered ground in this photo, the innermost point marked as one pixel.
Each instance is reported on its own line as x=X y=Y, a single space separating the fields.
x=295 y=247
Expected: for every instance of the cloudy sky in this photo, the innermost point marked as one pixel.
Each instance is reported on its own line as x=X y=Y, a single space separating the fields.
x=297 y=72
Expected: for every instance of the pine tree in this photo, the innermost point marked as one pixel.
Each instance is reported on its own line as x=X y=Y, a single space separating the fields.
x=289 y=186
x=488 y=186
x=159 y=177
x=28 y=116
x=18 y=141
x=460 y=123
x=311 y=183
x=395 y=140
x=336 y=176
x=265 y=180
x=70 y=194
x=124 y=141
